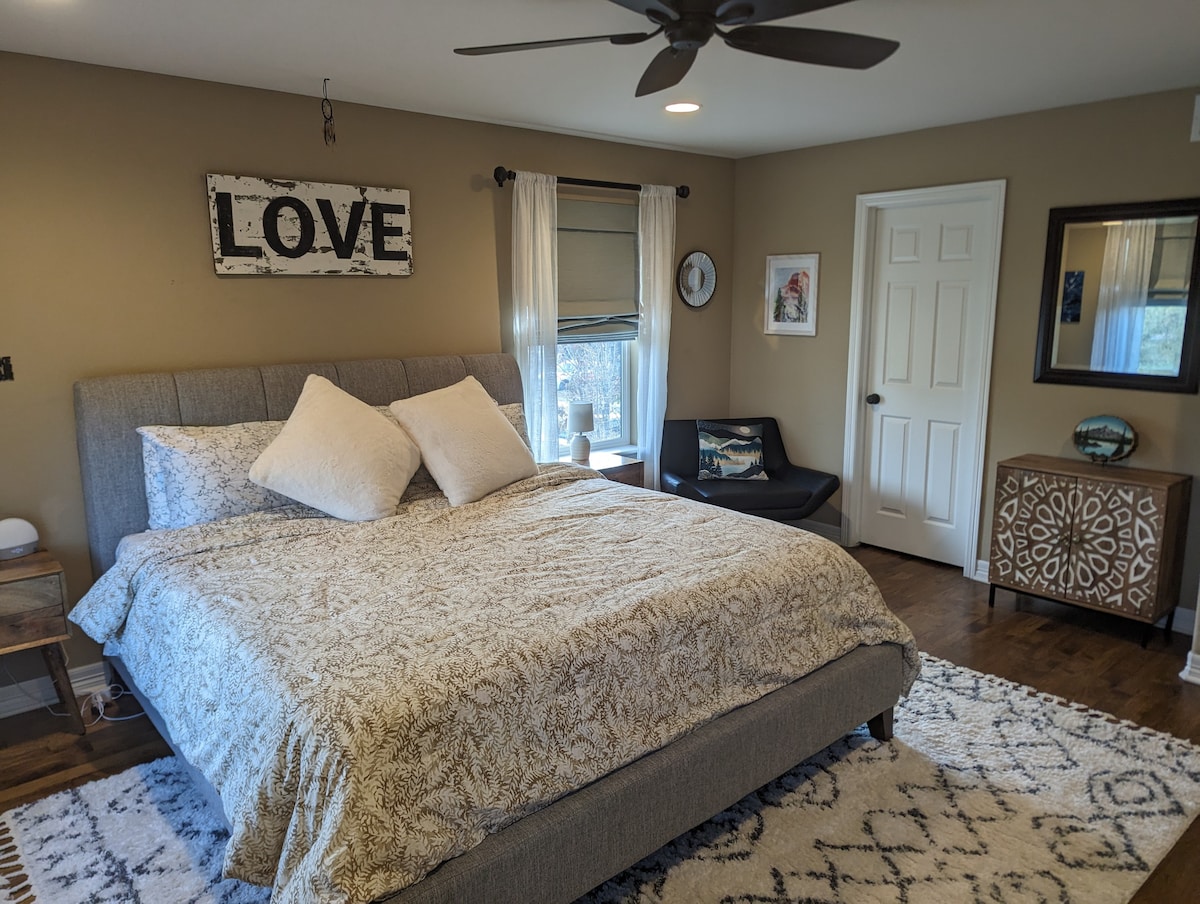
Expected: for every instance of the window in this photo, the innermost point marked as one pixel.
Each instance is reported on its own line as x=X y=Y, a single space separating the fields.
x=1162 y=337
x=597 y=316
x=596 y=372
x=1165 y=313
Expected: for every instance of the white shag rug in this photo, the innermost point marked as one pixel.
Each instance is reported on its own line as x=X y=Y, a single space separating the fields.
x=990 y=792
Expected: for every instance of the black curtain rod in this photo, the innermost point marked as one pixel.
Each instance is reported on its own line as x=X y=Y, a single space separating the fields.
x=503 y=174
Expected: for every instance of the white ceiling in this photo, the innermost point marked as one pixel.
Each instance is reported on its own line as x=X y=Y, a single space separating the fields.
x=959 y=60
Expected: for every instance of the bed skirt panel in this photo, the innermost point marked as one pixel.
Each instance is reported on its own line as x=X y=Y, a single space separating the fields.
x=587 y=837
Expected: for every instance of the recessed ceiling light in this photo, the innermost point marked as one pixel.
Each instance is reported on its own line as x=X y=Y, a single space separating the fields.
x=682 y=108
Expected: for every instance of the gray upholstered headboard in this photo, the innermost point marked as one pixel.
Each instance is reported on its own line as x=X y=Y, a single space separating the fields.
x=108 y=411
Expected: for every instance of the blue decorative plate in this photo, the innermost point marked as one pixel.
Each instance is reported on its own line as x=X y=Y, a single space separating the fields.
x=1105 y=438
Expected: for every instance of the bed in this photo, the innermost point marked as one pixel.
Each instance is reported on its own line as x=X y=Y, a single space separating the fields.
x=596 y=783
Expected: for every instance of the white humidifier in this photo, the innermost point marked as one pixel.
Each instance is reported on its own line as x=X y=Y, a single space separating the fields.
x=17 y=538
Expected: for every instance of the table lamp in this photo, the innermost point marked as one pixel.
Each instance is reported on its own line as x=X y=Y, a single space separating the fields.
x=579 y=422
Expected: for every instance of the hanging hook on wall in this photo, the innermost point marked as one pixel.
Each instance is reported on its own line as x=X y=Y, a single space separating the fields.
x=327 y=114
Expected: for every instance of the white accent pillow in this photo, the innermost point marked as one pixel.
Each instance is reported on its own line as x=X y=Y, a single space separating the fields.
x=338 y=454
x=199 y=474
x=514 y=412
x=467 y=443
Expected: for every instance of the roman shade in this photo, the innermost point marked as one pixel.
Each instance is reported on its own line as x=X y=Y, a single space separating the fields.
x=597 y=271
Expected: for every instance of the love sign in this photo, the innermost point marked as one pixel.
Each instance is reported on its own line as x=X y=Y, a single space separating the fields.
x=277 y=226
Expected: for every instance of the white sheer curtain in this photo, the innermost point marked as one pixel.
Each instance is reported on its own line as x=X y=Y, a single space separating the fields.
x=656 y=255
x=535 y=305
x=1124 y=285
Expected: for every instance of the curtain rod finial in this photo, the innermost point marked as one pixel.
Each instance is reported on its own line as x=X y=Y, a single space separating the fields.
x=683 y=191
x=500 y=174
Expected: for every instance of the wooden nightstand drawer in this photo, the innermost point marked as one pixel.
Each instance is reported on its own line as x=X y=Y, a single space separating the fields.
x=614 y=466
x=631 y=474
x=32 y=628
x=30 y=594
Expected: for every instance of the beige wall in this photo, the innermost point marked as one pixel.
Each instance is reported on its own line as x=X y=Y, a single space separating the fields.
x=107 y=257
x=1085 y=251
x=1135 y=149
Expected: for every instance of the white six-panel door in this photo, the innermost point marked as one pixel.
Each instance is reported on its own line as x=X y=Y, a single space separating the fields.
x=919 y=401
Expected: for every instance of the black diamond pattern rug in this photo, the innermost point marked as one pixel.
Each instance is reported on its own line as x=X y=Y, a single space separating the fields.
x=991 y=792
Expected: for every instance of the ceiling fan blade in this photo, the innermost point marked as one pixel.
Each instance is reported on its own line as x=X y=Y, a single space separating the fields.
x=666 y=70
x=655 y=10
x=632 y=38
x=749 y=12
x=812 y=45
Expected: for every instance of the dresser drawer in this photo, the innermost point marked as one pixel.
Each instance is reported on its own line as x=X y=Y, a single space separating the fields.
x=30 y=594
x=32 y=628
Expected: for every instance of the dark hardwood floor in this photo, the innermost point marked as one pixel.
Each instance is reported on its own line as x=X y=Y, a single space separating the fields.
x=1085 y=656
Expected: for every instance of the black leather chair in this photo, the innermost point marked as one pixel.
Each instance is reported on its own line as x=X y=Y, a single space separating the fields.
x=790 y=493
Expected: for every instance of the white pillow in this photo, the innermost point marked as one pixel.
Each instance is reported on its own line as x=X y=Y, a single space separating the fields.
x=467 y=443
x=338 y=454
x=199 y=474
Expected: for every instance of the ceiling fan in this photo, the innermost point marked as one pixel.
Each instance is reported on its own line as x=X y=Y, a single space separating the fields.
x=689 y=24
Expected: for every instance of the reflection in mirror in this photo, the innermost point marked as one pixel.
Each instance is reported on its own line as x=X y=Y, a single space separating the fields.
x=1117 y=301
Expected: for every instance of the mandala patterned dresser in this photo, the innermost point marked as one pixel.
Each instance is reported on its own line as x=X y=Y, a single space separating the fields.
x=1099 y=536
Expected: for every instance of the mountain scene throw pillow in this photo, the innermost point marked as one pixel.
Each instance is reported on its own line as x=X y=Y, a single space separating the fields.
x=730 y=451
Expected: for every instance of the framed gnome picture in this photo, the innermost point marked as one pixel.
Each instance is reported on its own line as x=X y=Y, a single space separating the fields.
x=791 y=295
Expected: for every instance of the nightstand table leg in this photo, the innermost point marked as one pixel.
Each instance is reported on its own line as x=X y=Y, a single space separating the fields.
x=57 y=666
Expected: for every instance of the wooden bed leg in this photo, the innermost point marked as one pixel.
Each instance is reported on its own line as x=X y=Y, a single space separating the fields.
x=881 y=725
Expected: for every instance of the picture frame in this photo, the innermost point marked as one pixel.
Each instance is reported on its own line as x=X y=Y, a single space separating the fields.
x=1072 y=297
x=790 y=302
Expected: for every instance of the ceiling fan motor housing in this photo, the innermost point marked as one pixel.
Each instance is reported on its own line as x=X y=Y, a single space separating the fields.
x=690 y=32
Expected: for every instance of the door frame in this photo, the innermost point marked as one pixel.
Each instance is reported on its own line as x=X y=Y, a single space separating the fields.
x=866 y=215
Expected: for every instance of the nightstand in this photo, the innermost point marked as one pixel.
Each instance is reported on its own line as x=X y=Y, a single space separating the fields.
x=620 y=468
x=33 y=600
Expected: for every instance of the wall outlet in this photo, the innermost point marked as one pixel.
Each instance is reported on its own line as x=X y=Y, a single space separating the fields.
x=1196 y=120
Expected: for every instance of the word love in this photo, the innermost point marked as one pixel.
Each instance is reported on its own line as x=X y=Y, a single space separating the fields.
x=266 y=226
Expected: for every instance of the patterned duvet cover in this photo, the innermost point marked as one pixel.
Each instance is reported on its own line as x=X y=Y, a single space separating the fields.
x=370 y=699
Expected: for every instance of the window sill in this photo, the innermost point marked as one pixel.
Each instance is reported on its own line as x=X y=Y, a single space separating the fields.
x=623 y=451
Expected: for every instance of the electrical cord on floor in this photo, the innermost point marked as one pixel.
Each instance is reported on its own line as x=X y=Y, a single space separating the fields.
x=38 y=700
x=97 y=701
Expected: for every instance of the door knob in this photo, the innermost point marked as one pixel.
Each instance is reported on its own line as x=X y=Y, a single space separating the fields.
x=873 y=399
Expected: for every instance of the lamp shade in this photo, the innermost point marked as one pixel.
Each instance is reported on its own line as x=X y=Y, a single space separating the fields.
x=579 y=418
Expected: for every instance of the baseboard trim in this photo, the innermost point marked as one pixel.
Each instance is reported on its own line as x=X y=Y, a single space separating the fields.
x=1191 y=671
x=822 y=529
x=1185 y=623
x=38 y=692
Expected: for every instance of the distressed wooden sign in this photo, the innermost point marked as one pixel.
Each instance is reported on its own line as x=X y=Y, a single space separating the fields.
x=278 y=226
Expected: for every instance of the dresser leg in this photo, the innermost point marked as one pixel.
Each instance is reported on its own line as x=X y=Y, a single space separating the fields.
x=991 y=596
x=57 y=666
x=1170 y=624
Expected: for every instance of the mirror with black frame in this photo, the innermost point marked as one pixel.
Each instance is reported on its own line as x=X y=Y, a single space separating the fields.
x=1120 y=293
